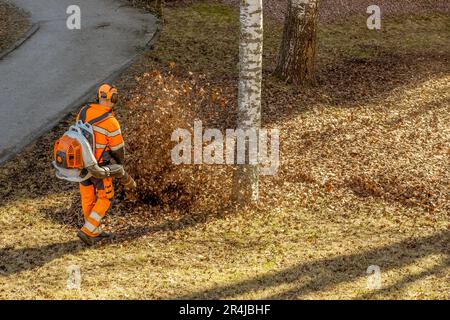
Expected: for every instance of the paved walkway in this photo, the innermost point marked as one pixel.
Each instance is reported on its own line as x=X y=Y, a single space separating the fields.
x=57 y=68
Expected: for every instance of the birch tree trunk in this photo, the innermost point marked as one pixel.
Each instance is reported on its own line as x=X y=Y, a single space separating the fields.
x=297 y=55
x=245 y=180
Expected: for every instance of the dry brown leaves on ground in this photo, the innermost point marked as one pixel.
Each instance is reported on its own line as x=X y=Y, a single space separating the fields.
x=13 y=24
x=363 y=177
x=337 y=10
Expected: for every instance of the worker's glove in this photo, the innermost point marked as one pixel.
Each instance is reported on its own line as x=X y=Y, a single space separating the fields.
x=128 y=182
x=113 y=170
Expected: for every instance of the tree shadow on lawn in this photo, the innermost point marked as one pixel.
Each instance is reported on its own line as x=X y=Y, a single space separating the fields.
x=352 y=82
x=329 y=272
x=407 y=280
x=14 y=261
x=323 y=273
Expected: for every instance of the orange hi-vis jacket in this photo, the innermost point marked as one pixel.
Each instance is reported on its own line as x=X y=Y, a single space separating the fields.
x=108 y=136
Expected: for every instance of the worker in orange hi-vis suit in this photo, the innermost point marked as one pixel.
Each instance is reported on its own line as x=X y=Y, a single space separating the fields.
x=96 y=193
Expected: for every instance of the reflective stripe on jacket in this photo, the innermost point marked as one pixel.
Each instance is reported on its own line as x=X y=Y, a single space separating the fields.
x=108 y=136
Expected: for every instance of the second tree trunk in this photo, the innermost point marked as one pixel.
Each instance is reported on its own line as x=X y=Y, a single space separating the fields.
x=296 y=59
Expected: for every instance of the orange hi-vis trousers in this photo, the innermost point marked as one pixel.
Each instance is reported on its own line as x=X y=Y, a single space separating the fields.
x=96 y=195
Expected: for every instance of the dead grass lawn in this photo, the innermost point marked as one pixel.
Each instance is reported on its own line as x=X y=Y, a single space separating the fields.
x=363 y=181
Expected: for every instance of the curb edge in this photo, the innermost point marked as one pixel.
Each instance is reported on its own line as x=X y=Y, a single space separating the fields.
x=31 y=31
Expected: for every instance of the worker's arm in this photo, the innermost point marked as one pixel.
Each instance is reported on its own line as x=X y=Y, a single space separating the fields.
x=116 y=143
x=118 y=155
x=113 y=171
x=117 y=151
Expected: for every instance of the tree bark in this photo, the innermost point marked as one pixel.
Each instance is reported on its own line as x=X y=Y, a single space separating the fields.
x=297 y=55
x=159 y=4
x=245 y=180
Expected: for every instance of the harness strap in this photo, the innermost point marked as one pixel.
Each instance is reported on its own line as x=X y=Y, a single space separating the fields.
x=100 y=118
x=95 y=120
x=83 y=113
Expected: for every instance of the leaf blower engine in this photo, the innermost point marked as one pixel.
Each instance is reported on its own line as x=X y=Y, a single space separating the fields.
x=74 y=160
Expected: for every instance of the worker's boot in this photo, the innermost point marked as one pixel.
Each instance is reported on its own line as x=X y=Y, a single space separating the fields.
x=106 y=235
x=90 y=241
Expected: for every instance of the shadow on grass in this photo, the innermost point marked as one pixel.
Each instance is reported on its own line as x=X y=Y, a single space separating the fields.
x=17 y=260
x=351 y=82
x=14 y=261
x=407 y=280
x=354 y=81
x=329 y=272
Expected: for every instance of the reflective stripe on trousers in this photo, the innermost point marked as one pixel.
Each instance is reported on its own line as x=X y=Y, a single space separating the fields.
x=92 y=224
x=95 y=200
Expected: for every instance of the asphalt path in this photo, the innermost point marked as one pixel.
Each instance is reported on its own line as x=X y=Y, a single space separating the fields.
x=57 y=68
